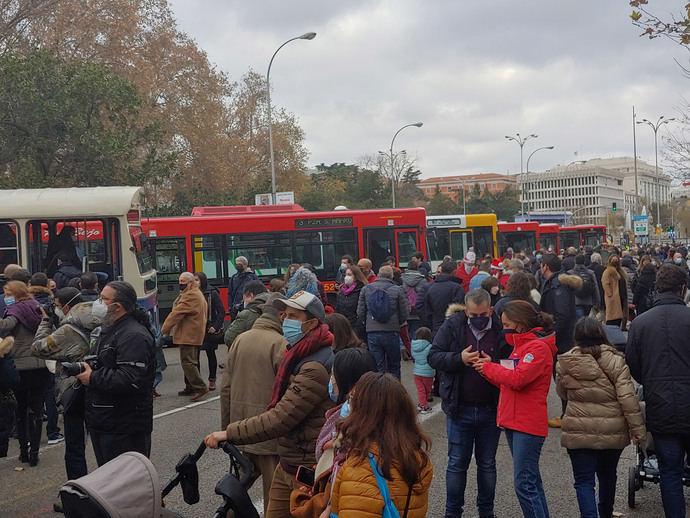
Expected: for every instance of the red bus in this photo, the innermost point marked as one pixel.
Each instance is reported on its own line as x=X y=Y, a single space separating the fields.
x=518 y=236
x=548 y=236
x=582 y=235
x=273 y=241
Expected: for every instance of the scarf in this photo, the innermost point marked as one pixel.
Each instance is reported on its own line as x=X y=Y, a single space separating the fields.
x=348 y=289
x=316 y=340
x=27 y=312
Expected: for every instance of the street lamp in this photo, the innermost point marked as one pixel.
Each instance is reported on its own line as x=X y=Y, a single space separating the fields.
x=655 y=127
x=417 y=125
x=529 y=193
x=521 y=142
x=305 y=36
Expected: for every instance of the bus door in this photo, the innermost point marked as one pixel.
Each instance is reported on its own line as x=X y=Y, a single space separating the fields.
x=460 y=243
x=170 y=261
x=383 y=242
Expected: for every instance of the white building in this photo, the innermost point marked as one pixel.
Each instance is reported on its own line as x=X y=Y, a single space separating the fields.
x=590 y=188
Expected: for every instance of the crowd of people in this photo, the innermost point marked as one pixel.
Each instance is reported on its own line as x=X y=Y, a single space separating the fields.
x=312 y=382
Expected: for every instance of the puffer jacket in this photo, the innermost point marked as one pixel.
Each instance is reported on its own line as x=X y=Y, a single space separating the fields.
x=420 y=354
x=603 y=412
x=612 y=297
x=247 y=383
x=23 y=337
x=443 y=292
x=187 y=320
x=245 y=319
x=413 y=279
x=398 y=304
x=68 y=343
x=522 y=402
x=297 y=418
x=558 y=299
x=593 y=298
x=356 y=492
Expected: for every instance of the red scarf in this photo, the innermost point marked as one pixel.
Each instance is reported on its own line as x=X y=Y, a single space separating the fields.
x=317 y=339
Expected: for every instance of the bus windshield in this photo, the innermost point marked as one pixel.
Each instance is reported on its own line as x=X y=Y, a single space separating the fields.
x=142 y=249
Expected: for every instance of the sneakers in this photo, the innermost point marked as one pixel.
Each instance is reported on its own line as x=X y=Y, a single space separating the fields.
x=55 y=439
x=556 y=422
x=212 y=384
x=423 y=409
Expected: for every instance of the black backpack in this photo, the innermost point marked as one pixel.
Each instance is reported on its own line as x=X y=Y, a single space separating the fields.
x=587 y=289
x=379 y=305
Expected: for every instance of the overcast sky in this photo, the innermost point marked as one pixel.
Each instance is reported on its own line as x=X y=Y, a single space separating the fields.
x=472 y=71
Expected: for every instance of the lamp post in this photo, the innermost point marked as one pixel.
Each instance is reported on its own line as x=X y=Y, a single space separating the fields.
x=529 y=192
x=416 y=124
x=655 y=127
x=305 y=36
x=521 y=142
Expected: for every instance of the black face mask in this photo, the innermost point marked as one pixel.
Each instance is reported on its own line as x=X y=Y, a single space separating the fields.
x=182 y=287
x=239 y=267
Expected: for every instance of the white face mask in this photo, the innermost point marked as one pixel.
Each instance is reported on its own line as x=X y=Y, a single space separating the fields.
x=59 y=313
x=99 y=309
x=349 y=279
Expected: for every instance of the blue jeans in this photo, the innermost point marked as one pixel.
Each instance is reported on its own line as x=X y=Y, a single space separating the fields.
x=75 y=443
x=412 y=326
x=526 y=449
x=670 y=452
x=474 y=427
x=385 y=348
x=586 y=463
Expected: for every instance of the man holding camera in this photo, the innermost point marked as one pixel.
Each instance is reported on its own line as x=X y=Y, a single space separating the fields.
x=119 y=382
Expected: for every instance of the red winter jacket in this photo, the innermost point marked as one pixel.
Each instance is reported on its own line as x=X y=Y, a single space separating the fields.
x=522 y=402
x=465 y=277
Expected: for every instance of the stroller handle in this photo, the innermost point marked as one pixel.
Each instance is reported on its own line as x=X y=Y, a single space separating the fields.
x=236 y=454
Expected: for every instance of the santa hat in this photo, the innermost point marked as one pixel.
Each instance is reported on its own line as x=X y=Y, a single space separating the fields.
x=497 y=264
x=470 y=257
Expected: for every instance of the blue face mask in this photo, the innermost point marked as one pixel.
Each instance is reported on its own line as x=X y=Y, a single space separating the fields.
x=345 y=409
x=331 y=393
x=679 y=261
x=539 y=257
x=9 y=301
x=507 y=332
x=292 y=330
x=479 y=323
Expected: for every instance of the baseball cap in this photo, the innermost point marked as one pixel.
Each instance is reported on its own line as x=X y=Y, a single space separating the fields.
x=305 y=301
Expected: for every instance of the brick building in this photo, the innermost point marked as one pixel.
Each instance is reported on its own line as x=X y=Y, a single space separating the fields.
x=451 y=185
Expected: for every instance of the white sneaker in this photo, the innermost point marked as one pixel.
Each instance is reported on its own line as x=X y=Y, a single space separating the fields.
x=56 y=439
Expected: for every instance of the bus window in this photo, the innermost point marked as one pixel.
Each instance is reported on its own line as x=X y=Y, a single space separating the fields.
x=592 y=239
x=407 y=245
x=438 y=241
x=267 y=253
x=207 y=254
x=169 y=258
x=323 y=249
x=8 y=244
x=142 y=249
x=460 y=243
x=483 y=241
x=380 y=244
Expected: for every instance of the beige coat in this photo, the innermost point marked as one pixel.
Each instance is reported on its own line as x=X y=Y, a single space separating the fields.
x=187 y=320
x=599 y=415
x=612 y=298
x=247 y=383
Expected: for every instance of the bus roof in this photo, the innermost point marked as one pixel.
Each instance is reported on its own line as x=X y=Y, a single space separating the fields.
x=68 y=203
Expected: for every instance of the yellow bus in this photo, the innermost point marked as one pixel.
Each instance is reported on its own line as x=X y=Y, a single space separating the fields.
x=454 y=235
x=103 y=224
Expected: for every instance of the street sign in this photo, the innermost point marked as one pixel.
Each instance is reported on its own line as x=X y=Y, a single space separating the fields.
x=641 y=225
x=658 y=230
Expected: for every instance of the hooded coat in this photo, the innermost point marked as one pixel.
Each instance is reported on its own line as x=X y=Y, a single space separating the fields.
x=603 y=412
x=415 y=280
x=558 y=299
x=68 y=343
x=522 y=403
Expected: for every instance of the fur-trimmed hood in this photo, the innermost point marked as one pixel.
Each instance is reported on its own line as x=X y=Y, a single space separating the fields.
x=453 y=309
x=572 y=281
x=40 y=289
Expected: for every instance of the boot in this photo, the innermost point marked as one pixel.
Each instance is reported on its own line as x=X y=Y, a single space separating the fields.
x=35 y=431
x=23 y=438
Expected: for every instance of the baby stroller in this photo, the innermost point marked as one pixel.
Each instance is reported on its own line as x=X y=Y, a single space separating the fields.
x=646 y=468
x=128 y=487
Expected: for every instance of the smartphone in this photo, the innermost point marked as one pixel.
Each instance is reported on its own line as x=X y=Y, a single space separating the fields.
x=305 y=476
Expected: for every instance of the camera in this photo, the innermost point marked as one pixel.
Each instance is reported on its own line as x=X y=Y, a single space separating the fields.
x=74 y=368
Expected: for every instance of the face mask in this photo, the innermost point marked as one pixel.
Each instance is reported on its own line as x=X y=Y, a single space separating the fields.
x=292 y=330
x=9 y=301
x=343 y=267
x=59 y=313
x=331 y=393
x=345 y=410
x=349 y=279
x=679 y=261
x=182 y=287
x=99 y=309
x=479 y=323
x=539 y=256
x=239 y=267
x=510 y=337
x=506 y=332
x=109 y=318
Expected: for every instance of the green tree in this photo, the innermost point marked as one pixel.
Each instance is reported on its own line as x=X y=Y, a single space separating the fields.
x=440 y=205
x=68 y=123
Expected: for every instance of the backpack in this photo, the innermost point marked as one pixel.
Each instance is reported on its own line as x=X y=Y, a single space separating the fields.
x=411 y=293
x=379 y=305
x=587 y=289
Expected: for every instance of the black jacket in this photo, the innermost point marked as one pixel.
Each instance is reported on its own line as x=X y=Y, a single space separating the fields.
x=445 y=356
x=598 y=270
x=658 y=354
x=643 y=291
x=215 y=317
x=568 y=263
x=441 y=293
x=558 y=299
x=64 y=274
x=235 y=289
x=119 y=396
x=346 y=304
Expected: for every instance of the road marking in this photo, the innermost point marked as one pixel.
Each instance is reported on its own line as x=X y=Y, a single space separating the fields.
x=186 y=407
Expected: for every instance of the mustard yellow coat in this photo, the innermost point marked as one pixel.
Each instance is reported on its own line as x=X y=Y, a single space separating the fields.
x=356 y=493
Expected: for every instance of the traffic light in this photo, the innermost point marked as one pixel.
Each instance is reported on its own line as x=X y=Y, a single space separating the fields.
x=614 y=206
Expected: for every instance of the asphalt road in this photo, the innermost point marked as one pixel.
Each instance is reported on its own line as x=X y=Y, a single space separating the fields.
x=180 y=427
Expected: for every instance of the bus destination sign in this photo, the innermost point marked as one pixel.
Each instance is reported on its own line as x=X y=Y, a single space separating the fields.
x=345 y=221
